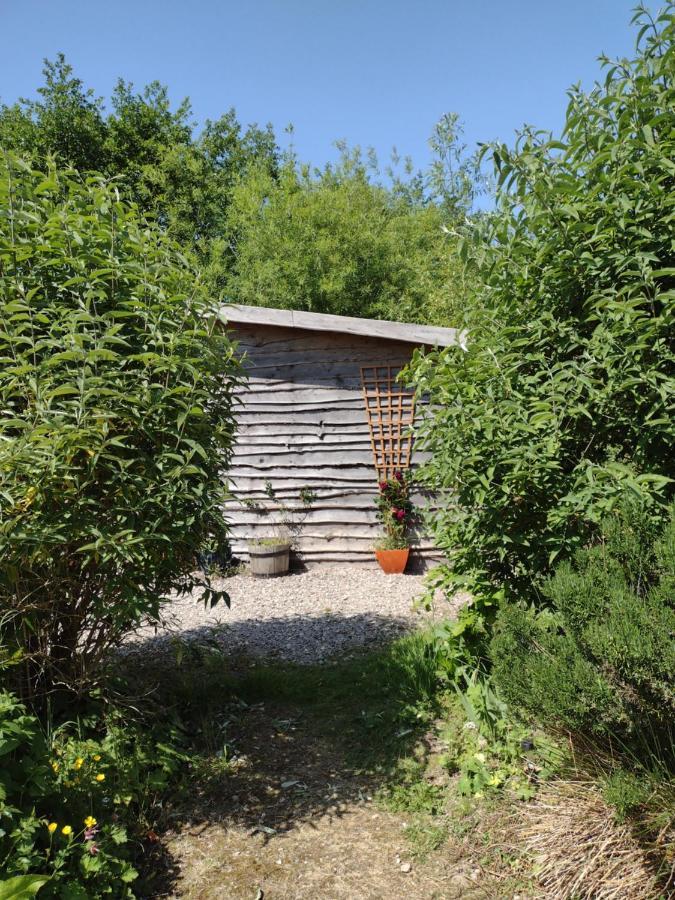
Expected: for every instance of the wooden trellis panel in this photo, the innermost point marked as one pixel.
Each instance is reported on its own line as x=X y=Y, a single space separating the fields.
x=391 y=410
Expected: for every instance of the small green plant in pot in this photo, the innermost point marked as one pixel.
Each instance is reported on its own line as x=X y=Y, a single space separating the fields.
x=395 y=512
x=270 y=555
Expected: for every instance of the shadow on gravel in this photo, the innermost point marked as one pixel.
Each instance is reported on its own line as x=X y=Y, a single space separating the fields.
x=280 y=744
x=298 y=638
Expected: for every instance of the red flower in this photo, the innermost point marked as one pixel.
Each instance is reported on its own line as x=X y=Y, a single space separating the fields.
x=400 y=514
x=398 y=475
x=383 y=485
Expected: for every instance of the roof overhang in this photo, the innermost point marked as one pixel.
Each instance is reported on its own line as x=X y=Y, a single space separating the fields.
x=376 y=328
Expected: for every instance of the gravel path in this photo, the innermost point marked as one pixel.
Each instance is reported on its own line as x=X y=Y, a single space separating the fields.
x=304 y=617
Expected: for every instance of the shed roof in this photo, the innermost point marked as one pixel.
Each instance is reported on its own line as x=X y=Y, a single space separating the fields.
x=378 y=328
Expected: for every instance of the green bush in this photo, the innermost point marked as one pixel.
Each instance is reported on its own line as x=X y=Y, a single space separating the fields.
x=115 y=423
x=560 y=402
x=74 y=803
x=600 y=661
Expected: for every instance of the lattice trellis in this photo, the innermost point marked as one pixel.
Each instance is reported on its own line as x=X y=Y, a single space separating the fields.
x=390 y=409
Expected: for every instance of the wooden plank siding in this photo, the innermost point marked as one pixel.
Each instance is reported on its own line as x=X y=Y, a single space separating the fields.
x=301 y=423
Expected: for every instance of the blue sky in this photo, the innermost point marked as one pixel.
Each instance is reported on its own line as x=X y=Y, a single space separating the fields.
x=376 y=72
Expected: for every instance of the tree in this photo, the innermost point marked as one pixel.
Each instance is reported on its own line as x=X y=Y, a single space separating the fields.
x=67 y=121
x=561 y=401
x=115 y=423
x=181 y=180
x=340 y=241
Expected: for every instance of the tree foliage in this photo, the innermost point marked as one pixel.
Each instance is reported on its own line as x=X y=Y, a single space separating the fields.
x=115 y=422
x=182 y=181
x=347 y=240
x=340 y=241
x=561 y=401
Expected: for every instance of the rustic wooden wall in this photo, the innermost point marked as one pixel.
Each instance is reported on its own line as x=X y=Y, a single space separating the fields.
x=302 y=423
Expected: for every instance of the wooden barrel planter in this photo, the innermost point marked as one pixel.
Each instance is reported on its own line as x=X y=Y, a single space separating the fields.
x=269 y=558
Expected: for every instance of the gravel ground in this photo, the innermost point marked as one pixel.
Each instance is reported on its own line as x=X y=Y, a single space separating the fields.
x=304 y=617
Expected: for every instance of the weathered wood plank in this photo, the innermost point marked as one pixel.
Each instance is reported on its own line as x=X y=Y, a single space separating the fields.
x=336 y=359
x=253 y=429
x=282 y=442
x=321 y=417
x=349 y=499
x=324 y=515
x=290 y=492
x=343 y=542
x=309 y=396
x=372 y=328
x=304 y=457
x=305 y=395
x=315 y=383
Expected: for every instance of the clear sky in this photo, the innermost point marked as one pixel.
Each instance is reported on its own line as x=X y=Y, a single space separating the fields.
x=376 y=72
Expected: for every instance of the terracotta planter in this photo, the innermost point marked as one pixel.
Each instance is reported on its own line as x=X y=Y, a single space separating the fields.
x=393 y=562
x=269 y=560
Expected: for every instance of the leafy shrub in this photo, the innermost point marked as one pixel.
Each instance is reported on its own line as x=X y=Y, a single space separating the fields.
x=115 y=423
x=489 y=750
x=601 y=660
x=74 y=804
x=559 y=403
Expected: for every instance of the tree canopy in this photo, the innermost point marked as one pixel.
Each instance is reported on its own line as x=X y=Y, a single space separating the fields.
x=562 y=401
x=182 y=180
x=338 y=240
x=264 y=228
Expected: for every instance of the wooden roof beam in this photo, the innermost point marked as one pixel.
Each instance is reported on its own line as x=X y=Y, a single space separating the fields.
x=408 y=333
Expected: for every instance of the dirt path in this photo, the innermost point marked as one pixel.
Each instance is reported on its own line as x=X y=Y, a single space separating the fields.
x=318 y=710
x=294 y=821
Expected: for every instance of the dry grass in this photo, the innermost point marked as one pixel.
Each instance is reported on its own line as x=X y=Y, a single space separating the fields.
x=580 y=851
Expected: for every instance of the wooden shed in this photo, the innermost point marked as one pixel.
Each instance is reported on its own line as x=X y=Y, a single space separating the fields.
x=320 y=407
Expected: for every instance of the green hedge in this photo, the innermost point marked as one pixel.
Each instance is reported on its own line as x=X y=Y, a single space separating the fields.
x=115 y=423
x=600 y=661
x=560 y=401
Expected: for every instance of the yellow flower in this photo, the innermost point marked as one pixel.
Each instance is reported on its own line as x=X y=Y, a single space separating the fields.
x=51 y=828
x=78 y=763
x=100 y=777
x=90 y=821
x=480 y=757
x=55 y=766
x=495 y=780
x=97 y=757
x=66 y=830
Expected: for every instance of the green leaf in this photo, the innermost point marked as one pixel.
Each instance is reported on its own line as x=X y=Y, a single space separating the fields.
x=22 y=886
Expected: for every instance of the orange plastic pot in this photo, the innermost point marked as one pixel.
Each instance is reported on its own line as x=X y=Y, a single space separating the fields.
x=393 y=562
